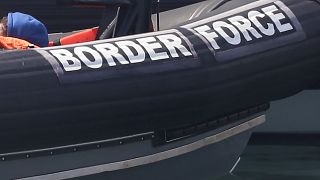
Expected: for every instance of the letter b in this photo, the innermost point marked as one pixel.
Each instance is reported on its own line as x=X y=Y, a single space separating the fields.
x=67 y=60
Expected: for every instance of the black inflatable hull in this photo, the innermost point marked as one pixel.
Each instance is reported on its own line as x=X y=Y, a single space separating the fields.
x=157 y=82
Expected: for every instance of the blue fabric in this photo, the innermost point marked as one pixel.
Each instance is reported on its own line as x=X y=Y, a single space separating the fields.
x=28 y=28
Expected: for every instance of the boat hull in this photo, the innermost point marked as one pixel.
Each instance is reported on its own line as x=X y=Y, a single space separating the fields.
x=88 y=102
x=211 y=154
x=163 y=87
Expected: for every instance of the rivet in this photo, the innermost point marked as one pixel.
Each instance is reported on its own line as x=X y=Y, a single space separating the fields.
x=51 y=153
x=98 y=146
x=152 y=136
x=142 y=138
x=120 y=142
x=75 y=149
x=27 y=155
x=3 y=158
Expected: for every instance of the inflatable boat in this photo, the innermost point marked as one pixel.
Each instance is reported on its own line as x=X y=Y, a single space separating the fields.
x=178 y=102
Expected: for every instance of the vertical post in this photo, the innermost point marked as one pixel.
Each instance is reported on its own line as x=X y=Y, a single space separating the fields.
x=158 y=15
x=144 y=16
x=134 y=18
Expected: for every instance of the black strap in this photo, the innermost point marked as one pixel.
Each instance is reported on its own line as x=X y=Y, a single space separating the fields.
x=107 y=19
x=57 y=42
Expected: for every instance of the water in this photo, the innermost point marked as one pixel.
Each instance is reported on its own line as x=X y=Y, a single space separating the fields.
x=278 y=163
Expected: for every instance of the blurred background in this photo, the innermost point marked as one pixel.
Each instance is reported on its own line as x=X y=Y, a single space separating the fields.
x=64 y=19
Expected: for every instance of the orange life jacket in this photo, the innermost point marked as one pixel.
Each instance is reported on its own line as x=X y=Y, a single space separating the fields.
x=14 y=43
x=79 y=37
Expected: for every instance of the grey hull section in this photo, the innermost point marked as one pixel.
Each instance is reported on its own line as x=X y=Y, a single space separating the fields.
x=204 y=164
x=205 y=156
